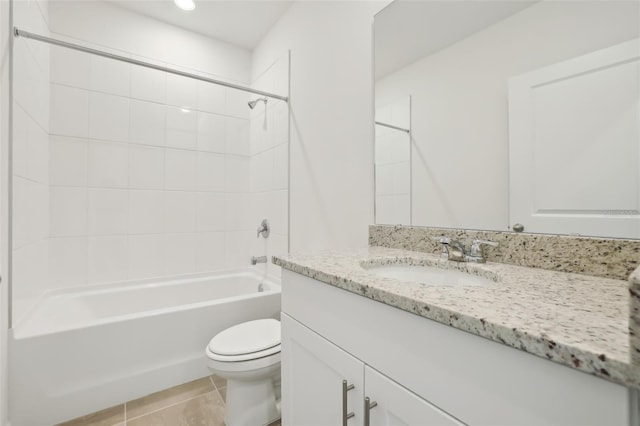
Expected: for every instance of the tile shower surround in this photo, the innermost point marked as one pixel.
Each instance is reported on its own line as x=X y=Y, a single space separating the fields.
x=30 y=197
x=601 y=257
x=149 y=173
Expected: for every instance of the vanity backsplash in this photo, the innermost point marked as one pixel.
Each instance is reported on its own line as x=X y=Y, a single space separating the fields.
x=609 y=258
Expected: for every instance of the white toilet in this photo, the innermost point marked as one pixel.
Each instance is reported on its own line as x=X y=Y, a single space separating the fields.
x=248 y=356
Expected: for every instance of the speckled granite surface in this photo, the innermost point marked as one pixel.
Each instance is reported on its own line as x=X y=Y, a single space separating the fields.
x=576 y=320
x=609 y=258
x=634 y=316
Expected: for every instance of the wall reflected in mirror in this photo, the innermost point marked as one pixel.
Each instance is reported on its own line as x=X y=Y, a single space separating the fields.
x=465 y=64
x=392 y=162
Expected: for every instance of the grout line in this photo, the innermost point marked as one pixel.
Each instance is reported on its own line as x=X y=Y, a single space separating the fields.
x=224 y=402
x=172 y=405
x=166 y=104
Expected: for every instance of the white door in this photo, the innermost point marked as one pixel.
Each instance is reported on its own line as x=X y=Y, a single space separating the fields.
x=313 y=371
x=574 y=130
x=396 y=405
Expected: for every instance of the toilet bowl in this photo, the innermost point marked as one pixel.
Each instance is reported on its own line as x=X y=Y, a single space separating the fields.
x=248 y=356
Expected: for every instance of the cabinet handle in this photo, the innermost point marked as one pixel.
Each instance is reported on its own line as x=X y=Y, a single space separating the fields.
x=346 y=416
x=368 y=405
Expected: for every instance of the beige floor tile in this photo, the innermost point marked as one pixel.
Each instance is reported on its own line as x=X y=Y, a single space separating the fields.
x=219 y=381
x=108 y=417
x=204 y=410
x=167 y=397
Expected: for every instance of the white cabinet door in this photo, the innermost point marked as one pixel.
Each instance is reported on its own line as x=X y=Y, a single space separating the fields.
x=574 y=145
x=313 y=370
x=396 y=405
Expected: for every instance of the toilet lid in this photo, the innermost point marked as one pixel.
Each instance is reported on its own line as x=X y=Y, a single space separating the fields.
x=247 y=338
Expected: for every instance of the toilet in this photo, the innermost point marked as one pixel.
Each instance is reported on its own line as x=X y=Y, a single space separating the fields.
x=248 y=356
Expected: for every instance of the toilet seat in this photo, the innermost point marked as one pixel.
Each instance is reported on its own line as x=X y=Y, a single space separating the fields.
x=246 y=338
x=248 y=341
x=218 y=363
x=243 y=357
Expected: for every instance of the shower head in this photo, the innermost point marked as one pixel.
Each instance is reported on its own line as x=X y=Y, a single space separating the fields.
x=252 y=104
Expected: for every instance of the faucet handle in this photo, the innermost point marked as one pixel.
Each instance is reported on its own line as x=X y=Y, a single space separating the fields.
x=264 y=229
x=445 y=241
x=485 y=242
x=476 y=248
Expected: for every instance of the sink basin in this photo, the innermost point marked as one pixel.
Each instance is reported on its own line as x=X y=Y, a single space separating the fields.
x=429 y=275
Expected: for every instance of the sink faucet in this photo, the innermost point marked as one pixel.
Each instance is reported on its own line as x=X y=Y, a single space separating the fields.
x=455 y=250
x=259 y=259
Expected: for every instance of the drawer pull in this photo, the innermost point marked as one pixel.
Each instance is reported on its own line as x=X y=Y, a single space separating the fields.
x=346 y=415
x=368 y=405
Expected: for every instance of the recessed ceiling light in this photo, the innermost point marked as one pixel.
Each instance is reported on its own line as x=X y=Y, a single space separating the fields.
x=185 y=4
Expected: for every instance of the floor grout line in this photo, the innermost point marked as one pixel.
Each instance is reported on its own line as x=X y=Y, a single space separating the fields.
x=224 y=402
x=171 y=405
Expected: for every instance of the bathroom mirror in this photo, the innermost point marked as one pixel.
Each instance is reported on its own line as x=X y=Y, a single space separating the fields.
x=392 y=162
x=522 y=112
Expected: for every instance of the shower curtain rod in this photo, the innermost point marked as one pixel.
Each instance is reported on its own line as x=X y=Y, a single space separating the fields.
x=391 y=126
x=20 y=33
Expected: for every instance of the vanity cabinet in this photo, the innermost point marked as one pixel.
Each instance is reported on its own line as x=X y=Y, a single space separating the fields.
x=313 y=372
x=396 y=405
x=421 y=372
x=324 y=385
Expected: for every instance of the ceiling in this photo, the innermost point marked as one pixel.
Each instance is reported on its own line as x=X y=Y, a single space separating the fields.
x=240 y=22
x=408 y=30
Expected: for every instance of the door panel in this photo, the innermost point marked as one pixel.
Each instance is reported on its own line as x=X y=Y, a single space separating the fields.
x=312 y=373
x=397 y=406
x=574 y=141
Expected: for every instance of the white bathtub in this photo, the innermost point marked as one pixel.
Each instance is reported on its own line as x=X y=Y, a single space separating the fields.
x=79 y=351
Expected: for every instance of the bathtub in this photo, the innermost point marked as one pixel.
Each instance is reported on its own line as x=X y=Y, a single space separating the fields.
x=77 y=352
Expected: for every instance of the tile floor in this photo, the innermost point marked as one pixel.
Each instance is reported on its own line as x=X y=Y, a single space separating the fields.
x=197 y=403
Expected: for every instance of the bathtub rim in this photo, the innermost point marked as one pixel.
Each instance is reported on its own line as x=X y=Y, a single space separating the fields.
x=18 y=332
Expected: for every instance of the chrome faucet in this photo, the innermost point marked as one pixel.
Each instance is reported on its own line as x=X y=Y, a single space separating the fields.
x=259 y=259
x=455 y=250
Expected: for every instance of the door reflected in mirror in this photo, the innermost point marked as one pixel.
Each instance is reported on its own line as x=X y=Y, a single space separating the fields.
x=520 y=112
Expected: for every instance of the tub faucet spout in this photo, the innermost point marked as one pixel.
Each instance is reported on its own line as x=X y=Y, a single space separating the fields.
x=259 y=259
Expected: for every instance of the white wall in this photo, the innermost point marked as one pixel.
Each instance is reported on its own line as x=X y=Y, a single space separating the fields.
x=30 y=158
x=147 y=168
x=331 y=119
x=393 y=163
x=5 y=105
x=459 y=104
x=269 y=170
x=115 y=28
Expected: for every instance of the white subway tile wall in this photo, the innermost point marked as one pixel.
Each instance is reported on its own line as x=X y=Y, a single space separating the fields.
x=31 y=172
x=125 y=173
x=149 y=173
x=269 y=165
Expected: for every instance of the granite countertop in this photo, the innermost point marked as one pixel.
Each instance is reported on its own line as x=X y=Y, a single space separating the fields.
x=576 y=320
